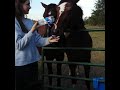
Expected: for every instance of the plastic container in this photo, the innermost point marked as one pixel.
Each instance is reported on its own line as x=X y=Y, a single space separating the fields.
x=47 y=20
x=97 y=85
x=42 y=22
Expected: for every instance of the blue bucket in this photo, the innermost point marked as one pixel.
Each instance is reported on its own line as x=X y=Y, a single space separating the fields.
x=97 y=85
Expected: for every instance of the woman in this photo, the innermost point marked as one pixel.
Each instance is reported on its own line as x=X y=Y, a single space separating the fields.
x=26 y=41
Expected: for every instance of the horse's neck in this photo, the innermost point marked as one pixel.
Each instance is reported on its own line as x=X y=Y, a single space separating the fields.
x=49 y=31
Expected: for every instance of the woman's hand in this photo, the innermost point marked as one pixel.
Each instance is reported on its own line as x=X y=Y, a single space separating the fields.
x=35 y=26
x=53 y=39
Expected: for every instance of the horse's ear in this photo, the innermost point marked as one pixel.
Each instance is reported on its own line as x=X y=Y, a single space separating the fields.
x=44 y=5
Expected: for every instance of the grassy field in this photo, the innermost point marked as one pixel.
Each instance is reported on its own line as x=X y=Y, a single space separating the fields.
x=97 y=57
x=94 y=27
x=98 y=42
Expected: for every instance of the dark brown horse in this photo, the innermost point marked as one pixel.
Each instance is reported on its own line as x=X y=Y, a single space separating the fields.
x=73 y=24
x=50 y=10
x=70 y=23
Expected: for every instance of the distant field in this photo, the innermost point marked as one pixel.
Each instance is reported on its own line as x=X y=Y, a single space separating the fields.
x=94 y=27
x=98 y=42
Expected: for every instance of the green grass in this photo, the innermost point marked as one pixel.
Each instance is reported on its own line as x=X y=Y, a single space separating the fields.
x=98 y=42
x=94 y=27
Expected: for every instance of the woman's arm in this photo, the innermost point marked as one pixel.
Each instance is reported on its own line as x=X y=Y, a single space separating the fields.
x=40 y=41
x=21 y=39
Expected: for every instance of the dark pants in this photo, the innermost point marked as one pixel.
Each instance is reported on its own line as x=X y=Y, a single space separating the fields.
x=25 y=75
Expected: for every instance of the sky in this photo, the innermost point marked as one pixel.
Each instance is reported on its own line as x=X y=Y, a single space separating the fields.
x=36 y=11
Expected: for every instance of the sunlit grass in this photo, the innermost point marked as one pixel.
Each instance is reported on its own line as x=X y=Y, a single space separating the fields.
x=98 y=42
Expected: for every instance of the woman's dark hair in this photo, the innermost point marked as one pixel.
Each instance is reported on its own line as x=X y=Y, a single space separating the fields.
x=19 y=14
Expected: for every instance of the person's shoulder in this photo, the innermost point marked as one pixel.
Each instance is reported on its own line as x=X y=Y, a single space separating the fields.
x=28 y=21
x=16 y=21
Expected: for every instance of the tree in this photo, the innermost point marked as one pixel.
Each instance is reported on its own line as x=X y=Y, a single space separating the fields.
x=98 y=15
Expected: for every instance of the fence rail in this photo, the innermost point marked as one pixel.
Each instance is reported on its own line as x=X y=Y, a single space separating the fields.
x=77 y=63
x=66 y=62
x=90 y=30
x=70 y=77
x=75 y=48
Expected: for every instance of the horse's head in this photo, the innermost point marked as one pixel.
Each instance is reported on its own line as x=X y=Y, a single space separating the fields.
x=69 y=17
x=59 y=12
x=50 y=10
x=63 y=14
x=67 y=14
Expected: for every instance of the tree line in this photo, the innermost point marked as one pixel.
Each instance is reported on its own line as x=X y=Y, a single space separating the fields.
x=97 y=17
